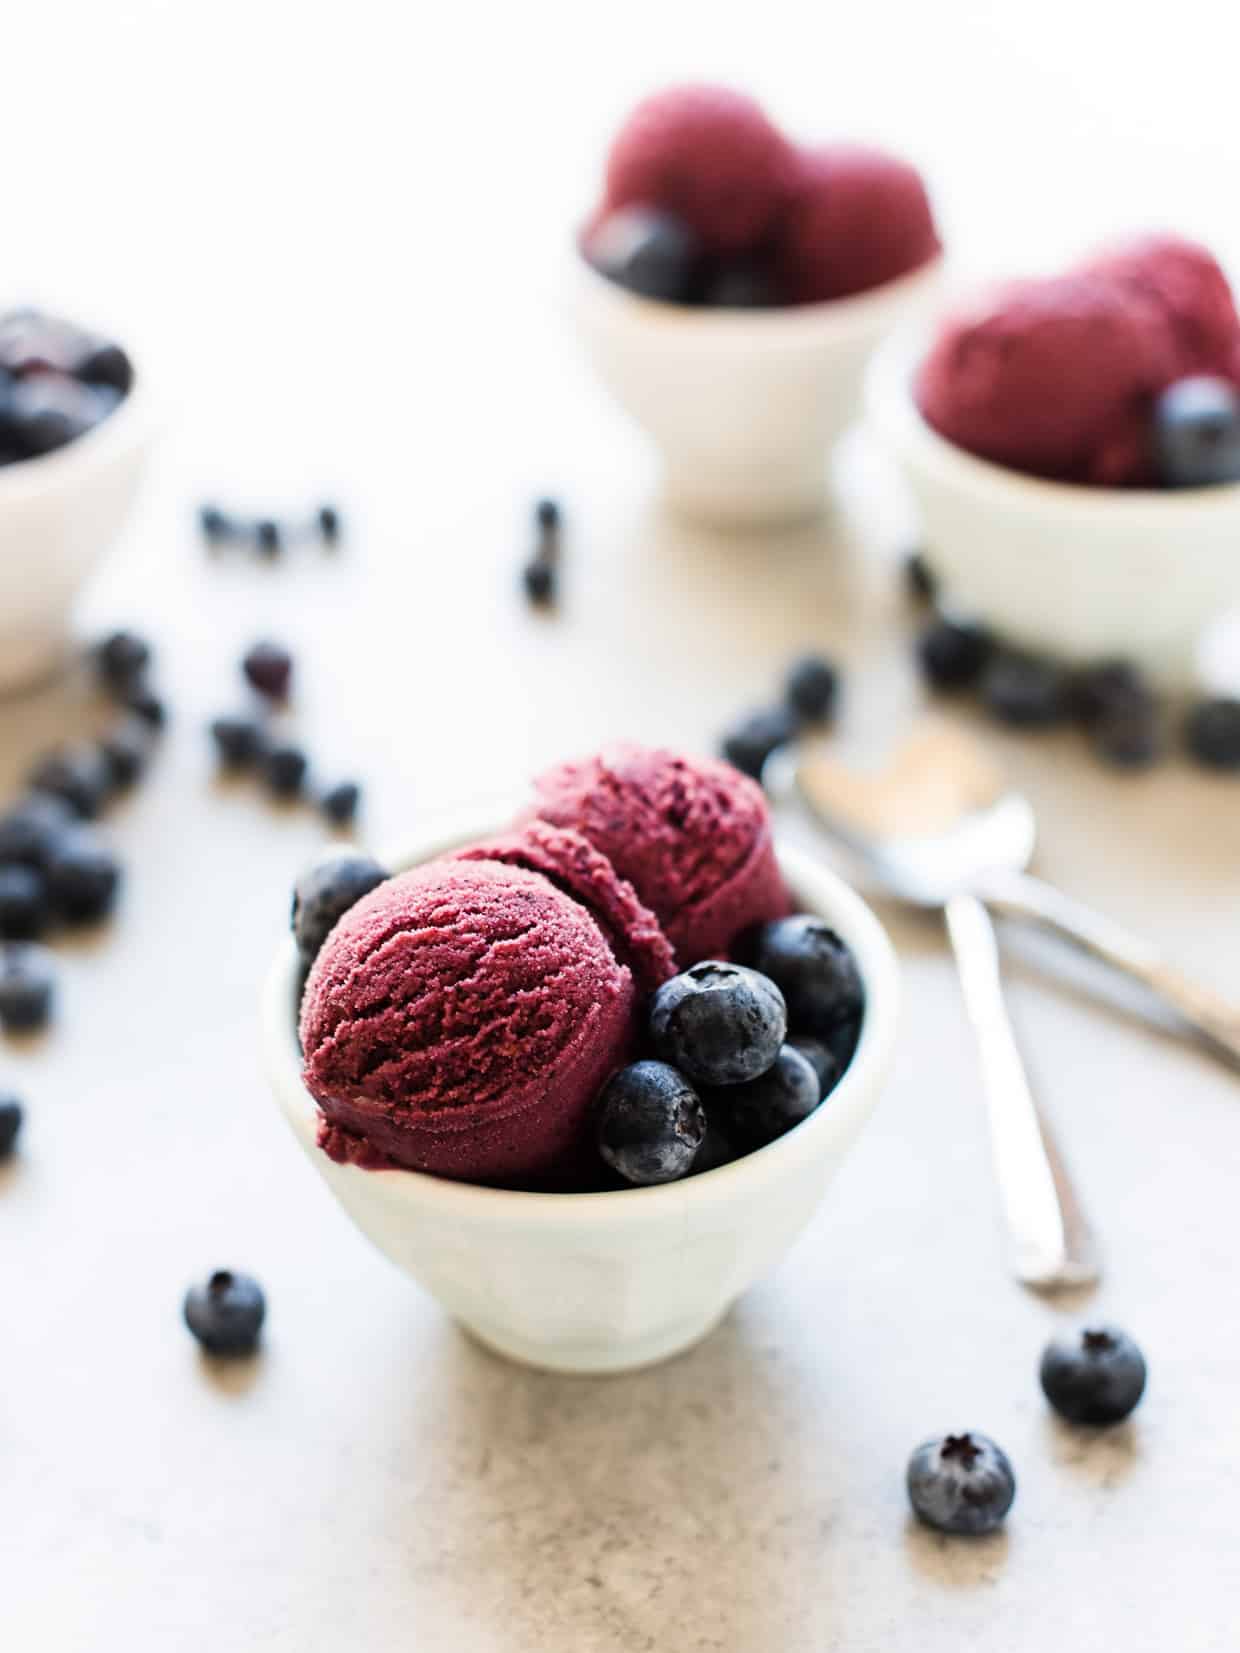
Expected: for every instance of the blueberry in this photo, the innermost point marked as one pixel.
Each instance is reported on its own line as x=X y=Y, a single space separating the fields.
x=650 y=253
x=83 y=877
x=720 y=1024
x=1096 y=1376
x=79 y=775
x=547 y=516
x=268 y=667
x=226 y=1313
x=1128 y=739
x=147 y=705
x=810 y=688
x=649 y=1123
x=717 y=1148
x=126 y=749
x=1025 y=691
x=340 y=803
x=1108 y=688
x=29 y=830
x=961 y=1484
x=11 y=1115
x=49 y=410
x=268 y=536
x=107 y=364
x=826 y=1064
x=764 y=1108
x=1197 y=433
x=26 y=986
x=284 y=769
x=741 y=284
x=1212 y=733
x=920 y=580
x=750 y=741
x=24 y=910
x=122 y=658
x=814 y=970
x=325 y=893
x=953 y=653
x=327 y=520
x=538 y=577
x=842 y=1040
x=216 y=524
x=238 y=740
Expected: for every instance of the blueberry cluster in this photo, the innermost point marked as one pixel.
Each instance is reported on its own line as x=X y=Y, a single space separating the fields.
x=268 y=535
x=540 y=574
x=965 y=1484
x=810 y=693
x=252 y=742
x=1120 y=713
x=741 y=1054
x=57 y=382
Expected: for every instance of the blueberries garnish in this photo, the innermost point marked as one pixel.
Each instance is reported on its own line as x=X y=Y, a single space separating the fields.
x=652 y=254
x=268 y=667
x=953 y=653
x=961 y=1484
x=238 y=740
x=122 y=658
x=325 y=893
x=26 y=986
x=24 y=911
x=649 y=1123
x=79 y=775
x=11 y=1115
x=226 y=1313
x=1025 y=691
x=340 y=803
x=284 y=769
x=83 y=878
x=1197 y=433
x=267 y=536
x=1212 y=733
x=814 y=970
x=719 y=1023
x=764 y=1108
x=327 y=520
x=749 y=743
x=920 y=580
x=1094 y=1377
x=811 y=687
x=539 y=579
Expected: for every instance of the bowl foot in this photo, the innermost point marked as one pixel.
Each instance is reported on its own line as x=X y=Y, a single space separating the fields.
x=604 y=1356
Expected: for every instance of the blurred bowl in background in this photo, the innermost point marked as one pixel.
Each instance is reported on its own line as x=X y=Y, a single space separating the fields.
x=743 y=405
x=1082 y=573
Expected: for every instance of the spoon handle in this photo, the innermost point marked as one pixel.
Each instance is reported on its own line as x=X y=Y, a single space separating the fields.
x=1214 y=1020
x=1048 y=1238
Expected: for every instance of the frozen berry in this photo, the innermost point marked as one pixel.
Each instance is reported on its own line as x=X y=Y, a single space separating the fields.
x=340 y=803
x=811 y=686
x=268 y=667
x=1097 y=1376
x=83 y=877
x=1212 y=733
x=26 y=986
x=79 y=775
x=284 y=769
x=1197 y=433
x=961 y=1484
x=323 y=895
x=764 y=1108
x=11 y=1115
x=30 y=828
x=649 y=1123
x=238 y=740
x=751 y=740
x=24 y=911
x=125 y=749
x=226 y=1313
x=719 y=1023
x=814 y=969
x=122 y=658
x=538 y=577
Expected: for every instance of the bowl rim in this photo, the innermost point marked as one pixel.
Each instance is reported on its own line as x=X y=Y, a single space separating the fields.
x=892 y=409
x=848 y=1105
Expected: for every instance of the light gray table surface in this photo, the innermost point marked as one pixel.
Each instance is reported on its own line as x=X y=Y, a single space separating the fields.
x=331 y=242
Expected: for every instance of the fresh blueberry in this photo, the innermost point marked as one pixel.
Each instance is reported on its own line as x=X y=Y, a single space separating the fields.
x=547 y=515
x=920 y=580
x=238 y=740
x=764 y=1108
x=810 y=688
x=741 y=284
x=953 y=653
x=122 y=658
x=26 y=986
x=650 y=253
x=83 y=878
x=720 y=1024
x=125 y=749
x=717 y=1148
x=961 y=1484
x=11 y=1115
x=1106 y=689
x=107 y=364
x=268 y=667
x=284 y=769
x=1197 y=433
x=29 y=830
x=1128 y=739
x=750 y=741
x=325 y=893
x=267 y=535
x=327 y=519
x=1024 y=691
x=1212 y=733
x=1096 y=1376
x=649 y=1123
x=340 y=803
x=216 y=524
x=814 y=970
x=49 y=410
x=24 y=912
x=226 y=1313
x=147 y=705
x=79 y=775
x=538 y=577
x=843 y=1039
x=826 y=1064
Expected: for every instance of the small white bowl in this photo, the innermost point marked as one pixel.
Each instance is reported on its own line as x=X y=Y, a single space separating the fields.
x=59 y=513
x=1083 y=573
x=744 y=405
x=604 y=1282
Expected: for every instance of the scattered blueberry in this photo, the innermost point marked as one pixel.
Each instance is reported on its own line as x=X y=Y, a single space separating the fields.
x=268 y=667
x=741 y=284
x=719 y=1023
x=649 y=1123
x=826 y=1064
x=83 y=877
x=814 y=970
x=1096 y=1376
x=238 y=740
x=1197 y=433
x=810 y=688
x=1212 y=733
x=953 y=653
x=1106 y=689
x=1128 y=738
x=226 y=1313
x=327 y=520
x=147 y=705
x=325 y=893
x=749 y=743
x=547 y=515
x=122 y=658
x=126 y=749
x=764 y=1108
x=24 y=910
x=79 y=775
x=340 y=803
x=284 y=770
x=216 y=525
x=11 y=1115
x=652 y=254
x=961 y=1484
x=1025 y=691
x=268 y=536
x=920 y=580
x=538 y=577
x=30 y=828
x=107 y=364
x=26 y=986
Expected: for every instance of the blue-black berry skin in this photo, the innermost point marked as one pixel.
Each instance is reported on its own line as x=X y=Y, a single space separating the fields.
x=284 y=769
x=547 y=515
x=961 y=1484
x=1024 y=691
x=768 y=1106
x=341 y=802
x=325 y=893
x=106 y=363
x=268 y=535
x=26 y=987
x=268 y=667
x=828 y=1069
x=1128 y=739
x=30 y=829
x=122 y=658
x=226 y=1313
x=238 y=741
x=539 y=579
x=811 y=687
x=1212 y=733
x=718 y=1148
x=144 y=703
x=83 y=878
x=1097 y=1376
x=1107 y=689
x=649 y=1123
x=719 y=1023
x=652 y=254
x=78 y=775
x=11 y=1115
x=125 y=750
x=953 y=654
x=327 y=520
x=216 y=524
x=751 y=740
x=1197 y=433
x=24 y=907
x=741 y=284
x=814 y=970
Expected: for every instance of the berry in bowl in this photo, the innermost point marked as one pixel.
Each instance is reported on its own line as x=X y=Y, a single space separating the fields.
x=74 y=434
x=730 y=287
x=1073 y=446
x=585 y=1138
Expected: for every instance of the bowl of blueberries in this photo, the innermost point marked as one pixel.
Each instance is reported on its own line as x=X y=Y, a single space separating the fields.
x=75 y=432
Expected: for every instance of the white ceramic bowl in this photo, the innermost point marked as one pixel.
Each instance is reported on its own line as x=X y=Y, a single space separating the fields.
x=59 y=513
x=744 y=405
x=605 y=1282
x=1084 y=573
